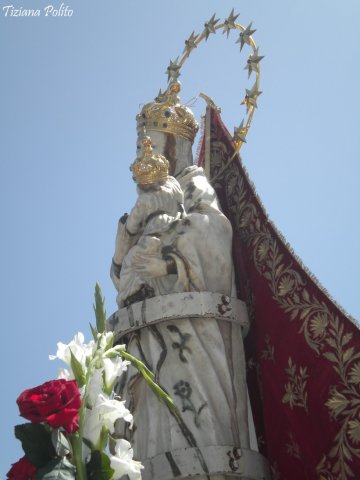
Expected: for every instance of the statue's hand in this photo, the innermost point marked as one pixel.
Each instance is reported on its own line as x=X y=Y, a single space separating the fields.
x=152 y=267
x=124 y=218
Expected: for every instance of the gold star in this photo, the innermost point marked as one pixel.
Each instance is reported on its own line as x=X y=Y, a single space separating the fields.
x=210 y=26
x=230 y=22
x=253 y=62
x=251 y=96
x=190 y=43
x=240 y=133
x=160 y=96
x=173 y=70
x=244 y=36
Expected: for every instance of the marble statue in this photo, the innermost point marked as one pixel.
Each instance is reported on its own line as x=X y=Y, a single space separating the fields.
x=187 y=325
x=159 y=204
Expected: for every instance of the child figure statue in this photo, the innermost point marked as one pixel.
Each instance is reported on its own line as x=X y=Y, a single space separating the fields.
x=160 y=203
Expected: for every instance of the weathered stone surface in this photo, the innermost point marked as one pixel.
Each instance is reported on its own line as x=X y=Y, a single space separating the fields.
x=190 y=334
x=234 y=463
x=176 y=306
x=193 y=343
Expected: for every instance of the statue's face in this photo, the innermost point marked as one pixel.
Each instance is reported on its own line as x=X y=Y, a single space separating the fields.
x=158 y=140
x=179 y=154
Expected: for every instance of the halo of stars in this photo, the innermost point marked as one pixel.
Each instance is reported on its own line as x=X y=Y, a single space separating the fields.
x=252 y=64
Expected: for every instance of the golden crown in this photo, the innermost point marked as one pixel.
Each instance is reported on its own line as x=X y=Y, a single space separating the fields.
x=166 y=114
x=151 y=167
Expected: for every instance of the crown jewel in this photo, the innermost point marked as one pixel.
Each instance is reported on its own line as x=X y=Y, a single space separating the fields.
x=151 y=167
x=166 y=114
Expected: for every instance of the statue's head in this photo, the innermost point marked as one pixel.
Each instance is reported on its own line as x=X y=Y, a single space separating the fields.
x=171 y=126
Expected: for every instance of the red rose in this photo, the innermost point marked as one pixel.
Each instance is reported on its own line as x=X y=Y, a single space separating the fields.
x=56 y=402
x=21 y=470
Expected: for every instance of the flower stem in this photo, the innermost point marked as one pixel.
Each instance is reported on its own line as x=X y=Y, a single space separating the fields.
x=78 y=437
x=76 y=442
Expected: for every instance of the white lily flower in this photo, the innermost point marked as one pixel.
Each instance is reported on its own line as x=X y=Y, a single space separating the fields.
x=104 y=412
x=122 y=462
x=95 y=386
x=92 y=426
x=113 y=367
x=79 y=349
x=65 y=374
x=106 y=340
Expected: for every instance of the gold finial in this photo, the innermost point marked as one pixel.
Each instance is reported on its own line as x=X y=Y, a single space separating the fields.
x=175 y=87
x=151 y=168
x=147 y=147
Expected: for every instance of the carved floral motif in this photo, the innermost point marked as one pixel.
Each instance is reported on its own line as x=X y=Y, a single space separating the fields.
x=184 y=391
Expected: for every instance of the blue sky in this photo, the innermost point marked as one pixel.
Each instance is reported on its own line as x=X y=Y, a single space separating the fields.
x=70 y=90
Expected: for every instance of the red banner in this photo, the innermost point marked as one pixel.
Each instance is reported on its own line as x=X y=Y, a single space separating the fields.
x=303 y=352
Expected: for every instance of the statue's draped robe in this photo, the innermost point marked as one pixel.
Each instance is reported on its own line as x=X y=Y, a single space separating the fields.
x=303 y=351
x=200 y=242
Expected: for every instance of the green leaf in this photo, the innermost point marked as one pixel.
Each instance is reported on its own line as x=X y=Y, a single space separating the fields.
x=60 y=442
x=103 y=440
x=93 y=331
x=99 y=466
x=36 y=442
x=148 y=377
x=89 y=444
x=138 y=364
x=78 y=370
x=99 y=310
x=57 y=469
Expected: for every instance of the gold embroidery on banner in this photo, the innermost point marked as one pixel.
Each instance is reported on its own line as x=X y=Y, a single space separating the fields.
x=354 y=430
x=275 y=474
x=268 y=352
x=323 y=469
x=295 y=394
x=250 y=302
x=251 y=363
x=322 y=329
x=355 y=373
x=292 y=447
